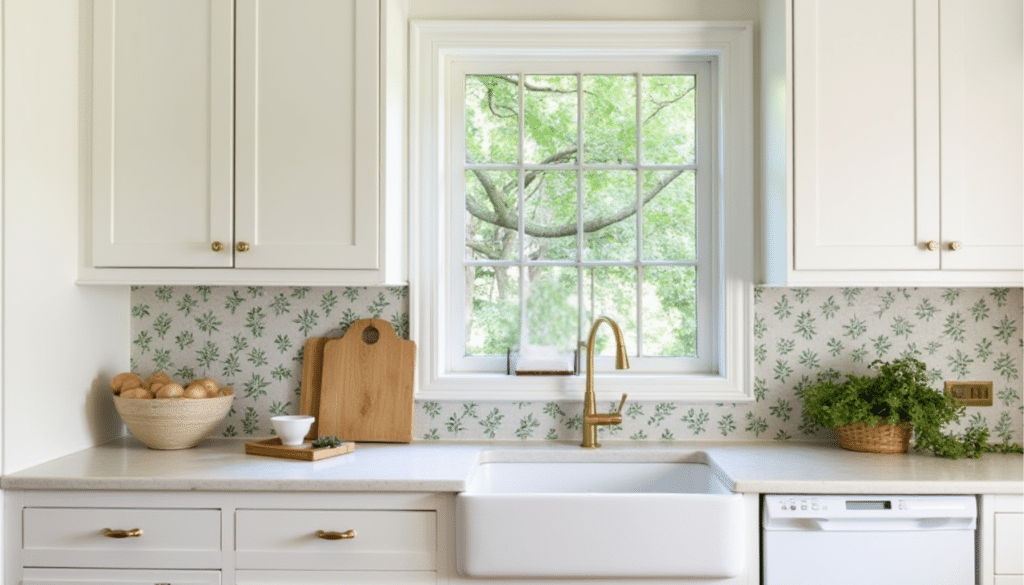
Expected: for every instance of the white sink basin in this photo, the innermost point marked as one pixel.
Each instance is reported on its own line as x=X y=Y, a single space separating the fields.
x=591 y=515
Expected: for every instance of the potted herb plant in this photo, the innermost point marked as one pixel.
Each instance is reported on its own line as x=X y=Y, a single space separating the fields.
x=876 y=413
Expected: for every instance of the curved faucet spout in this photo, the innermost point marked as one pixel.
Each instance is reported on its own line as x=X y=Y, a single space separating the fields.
x=592 y=420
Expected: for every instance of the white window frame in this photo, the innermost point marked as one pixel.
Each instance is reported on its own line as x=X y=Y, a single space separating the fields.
x=436 y=49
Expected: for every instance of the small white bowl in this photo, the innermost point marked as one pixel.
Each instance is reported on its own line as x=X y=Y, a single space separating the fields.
x=292 y=428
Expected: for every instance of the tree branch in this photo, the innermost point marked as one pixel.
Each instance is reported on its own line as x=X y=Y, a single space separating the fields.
x=536 y=230
x=663 y=105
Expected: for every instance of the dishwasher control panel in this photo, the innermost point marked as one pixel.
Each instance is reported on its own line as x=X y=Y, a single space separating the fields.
x=830 y=507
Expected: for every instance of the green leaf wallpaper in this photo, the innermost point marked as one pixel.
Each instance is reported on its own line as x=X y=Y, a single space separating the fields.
x=251 y=338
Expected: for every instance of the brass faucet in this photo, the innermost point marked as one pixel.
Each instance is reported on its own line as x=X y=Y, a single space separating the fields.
x=592 y=420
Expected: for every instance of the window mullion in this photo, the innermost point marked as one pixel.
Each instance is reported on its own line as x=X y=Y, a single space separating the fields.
x=581 y=311
x=639 y=219
x=524 y=270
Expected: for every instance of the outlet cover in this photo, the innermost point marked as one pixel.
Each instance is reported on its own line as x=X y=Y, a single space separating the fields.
x=970 y=393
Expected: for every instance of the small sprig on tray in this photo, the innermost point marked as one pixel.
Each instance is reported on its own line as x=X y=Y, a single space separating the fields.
x=325 y=441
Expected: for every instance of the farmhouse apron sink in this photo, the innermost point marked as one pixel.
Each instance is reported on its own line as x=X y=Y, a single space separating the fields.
x=585 y=514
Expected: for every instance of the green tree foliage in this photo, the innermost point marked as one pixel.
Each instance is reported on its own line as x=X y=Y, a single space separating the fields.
x=563 y=160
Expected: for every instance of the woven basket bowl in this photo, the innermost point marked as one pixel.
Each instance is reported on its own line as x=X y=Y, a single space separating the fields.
x=881 y=438
x=172 y=423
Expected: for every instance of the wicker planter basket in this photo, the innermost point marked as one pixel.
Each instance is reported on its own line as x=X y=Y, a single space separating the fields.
x=172 y=423
x=881 y=438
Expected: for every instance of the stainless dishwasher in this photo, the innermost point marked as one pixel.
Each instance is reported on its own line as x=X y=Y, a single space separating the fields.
x=853 y=540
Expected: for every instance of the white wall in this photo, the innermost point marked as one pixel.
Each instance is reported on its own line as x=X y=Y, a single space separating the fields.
x=61 y=342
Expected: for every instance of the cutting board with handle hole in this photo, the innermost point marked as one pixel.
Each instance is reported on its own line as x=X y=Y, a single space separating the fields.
x=366 y=385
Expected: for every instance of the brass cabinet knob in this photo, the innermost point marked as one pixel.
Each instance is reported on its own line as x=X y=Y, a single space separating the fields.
x=331 y=535
x=217 y=246
x=133 y=533
x=954 y=245
x=242 y=247
x=932 y=245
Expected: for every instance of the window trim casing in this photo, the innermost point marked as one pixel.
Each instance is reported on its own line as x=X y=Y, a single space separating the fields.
x=434 y=44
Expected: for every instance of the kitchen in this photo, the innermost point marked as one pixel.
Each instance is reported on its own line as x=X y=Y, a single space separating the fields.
x=45 y=167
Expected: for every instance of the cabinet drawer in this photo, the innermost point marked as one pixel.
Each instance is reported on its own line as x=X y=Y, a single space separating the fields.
x=381 y=540
x=117 y=577
x=168 y=538
x=335 y=577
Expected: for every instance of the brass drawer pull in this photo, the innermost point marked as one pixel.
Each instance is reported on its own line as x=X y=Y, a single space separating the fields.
x=331 y=535
x=242 y=246
x=217 y=246
x=133 y=533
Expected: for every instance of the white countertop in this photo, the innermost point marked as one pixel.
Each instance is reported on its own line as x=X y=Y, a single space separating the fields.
x=787 y=468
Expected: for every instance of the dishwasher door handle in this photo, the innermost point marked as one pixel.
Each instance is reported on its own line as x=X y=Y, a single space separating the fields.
x=878 y=524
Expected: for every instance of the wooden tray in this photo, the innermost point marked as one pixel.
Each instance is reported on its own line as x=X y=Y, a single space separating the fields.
x=273 y=448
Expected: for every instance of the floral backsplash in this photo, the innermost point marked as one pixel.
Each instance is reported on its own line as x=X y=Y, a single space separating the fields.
x=251 y=338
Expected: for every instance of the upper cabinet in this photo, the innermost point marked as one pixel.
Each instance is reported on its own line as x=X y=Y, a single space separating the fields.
x=238 y=142
x=904 y=141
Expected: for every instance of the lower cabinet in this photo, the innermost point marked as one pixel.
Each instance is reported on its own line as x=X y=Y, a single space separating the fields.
x=1001 y=540
x=118 y=577
x=214 y=538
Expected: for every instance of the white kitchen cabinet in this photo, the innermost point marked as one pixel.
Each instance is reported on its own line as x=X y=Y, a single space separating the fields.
x=1001 y=540
x=358 y=540
x=334 y=578
x=209 y=538
x=118 y=577
x=903 y=143
x=121 y=537
x=237 y=142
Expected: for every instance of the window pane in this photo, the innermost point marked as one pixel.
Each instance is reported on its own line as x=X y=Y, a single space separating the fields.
x=550 y=215
x=549 y=119
x=492 y=325
x=670 y=216
x=552 y=307
x=492 y=119
x=609 y=120
x=609 y=215
x=492 y=215
x=670 y=311
x=611 y=292
x=669 y=105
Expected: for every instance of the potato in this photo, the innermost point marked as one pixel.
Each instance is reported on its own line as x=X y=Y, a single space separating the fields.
x=195 y=391
x=169 y=391
x=136 y=393
x=172 y=389
x=125 y=381
x=159 y=377
x=226 y=391
x=212 y=388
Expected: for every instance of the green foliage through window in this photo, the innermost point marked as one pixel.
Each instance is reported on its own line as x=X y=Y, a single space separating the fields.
x=581 y=200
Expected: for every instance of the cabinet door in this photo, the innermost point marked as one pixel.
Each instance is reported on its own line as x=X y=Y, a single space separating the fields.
x=982 y=73
x=162 y=132
x=865 y=137
x=1009 y=541
x=307 y=134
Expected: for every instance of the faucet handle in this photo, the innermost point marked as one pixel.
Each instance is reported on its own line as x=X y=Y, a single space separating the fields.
x=621 y=403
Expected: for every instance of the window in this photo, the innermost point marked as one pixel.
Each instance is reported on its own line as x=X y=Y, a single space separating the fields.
x=563 y=171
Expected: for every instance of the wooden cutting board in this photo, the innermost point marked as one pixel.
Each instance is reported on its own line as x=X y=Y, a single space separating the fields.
x=312 y=371
x=367 y=384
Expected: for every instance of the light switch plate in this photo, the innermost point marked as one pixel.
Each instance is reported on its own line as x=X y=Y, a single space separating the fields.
x=970 y=393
